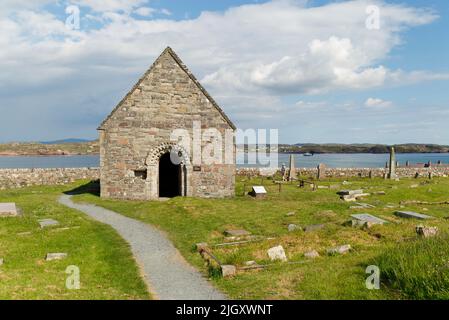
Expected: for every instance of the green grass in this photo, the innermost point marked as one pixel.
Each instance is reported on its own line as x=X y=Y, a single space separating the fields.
x=419 y=269
x=190 y=220
x=411 y=268
x=107 y=268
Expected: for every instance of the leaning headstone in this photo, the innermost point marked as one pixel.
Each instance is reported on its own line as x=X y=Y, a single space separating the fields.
x=426 y=232
x=228 y=270
x=258 y=192
x=311 y=254
x=277 y=253
x=236 y=233
x=339 y=250
x=321 y=171
x=392 y=167
x=411 y=214
x=8 y=210
x=367 y=218
x=47 y=223
x=55 y=256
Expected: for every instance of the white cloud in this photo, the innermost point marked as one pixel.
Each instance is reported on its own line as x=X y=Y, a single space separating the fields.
x=145 y=11
x=272 y=49
x=110 y=5
x=377 y=103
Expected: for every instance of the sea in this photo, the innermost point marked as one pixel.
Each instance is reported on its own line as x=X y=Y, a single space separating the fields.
x=361 y=160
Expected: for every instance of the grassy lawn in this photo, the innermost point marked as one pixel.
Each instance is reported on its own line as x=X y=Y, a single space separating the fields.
x=188 y=221
x=107 y=268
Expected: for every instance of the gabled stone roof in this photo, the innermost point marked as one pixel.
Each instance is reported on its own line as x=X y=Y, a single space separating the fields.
x=187 y=71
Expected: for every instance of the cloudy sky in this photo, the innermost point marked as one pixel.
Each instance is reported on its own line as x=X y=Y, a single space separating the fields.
x=319 y=71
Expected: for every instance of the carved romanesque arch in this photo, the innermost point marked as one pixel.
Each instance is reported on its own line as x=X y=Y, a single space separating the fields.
x=156 y=153
x=152 y=164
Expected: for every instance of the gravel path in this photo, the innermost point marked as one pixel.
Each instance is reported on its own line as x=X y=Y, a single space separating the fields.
x=168 y=275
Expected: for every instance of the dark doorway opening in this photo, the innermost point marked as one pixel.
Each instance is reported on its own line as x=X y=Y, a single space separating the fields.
x=169 y=177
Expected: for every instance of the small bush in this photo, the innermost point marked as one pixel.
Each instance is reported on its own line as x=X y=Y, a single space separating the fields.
x=419 y=269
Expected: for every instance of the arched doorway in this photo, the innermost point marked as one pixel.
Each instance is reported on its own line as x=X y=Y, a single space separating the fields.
x=169 y=177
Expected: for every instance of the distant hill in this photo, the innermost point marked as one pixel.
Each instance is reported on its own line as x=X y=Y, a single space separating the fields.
x=63 y=148
x=362 y=148
x=64 y=141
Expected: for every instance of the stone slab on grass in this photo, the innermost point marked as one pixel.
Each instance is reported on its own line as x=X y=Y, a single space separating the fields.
x=8 y=210
x=47 y=223
x=365 y=217
x=412 y=215
x=339 y=250
x=237 y=233
x=55 y=256
x=311 y=254
x=314 y=227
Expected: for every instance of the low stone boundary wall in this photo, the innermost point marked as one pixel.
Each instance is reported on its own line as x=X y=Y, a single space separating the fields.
x=18 y=178
x=352 y=172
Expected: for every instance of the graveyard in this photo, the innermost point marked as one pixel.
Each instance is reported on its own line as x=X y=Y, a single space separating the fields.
x=327 y=242
x=42 y=238
x=298 y=241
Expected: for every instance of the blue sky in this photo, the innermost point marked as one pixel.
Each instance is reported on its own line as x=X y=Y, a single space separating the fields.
x=311 y=69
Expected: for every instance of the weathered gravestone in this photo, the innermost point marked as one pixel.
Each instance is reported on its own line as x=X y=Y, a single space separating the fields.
x=228 y=270
x=367 y=219
x=411 y=214
x=392 y=167
x=292 y=169
x=277 y=253
x=321 y=171
x=426 y=232
x=8 y=210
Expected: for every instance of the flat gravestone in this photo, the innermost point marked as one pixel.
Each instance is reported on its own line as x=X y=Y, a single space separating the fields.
x=365 y=217
x=8 y=210
x=237 y=233
x=47 y=223
x=411 y=214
